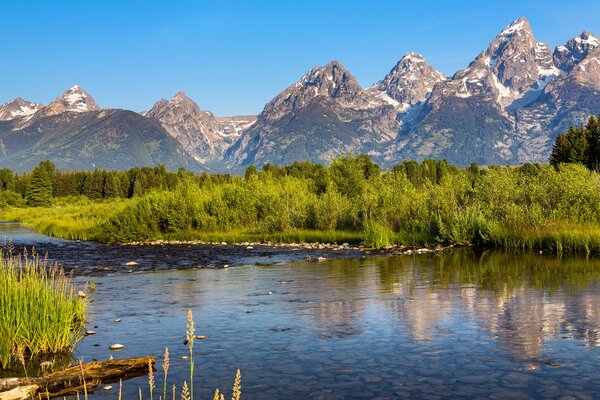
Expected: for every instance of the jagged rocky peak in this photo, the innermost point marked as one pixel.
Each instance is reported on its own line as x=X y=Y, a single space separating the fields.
x=587 y=72
x=409 y=82
x=517 y=60
x=330 y=82
x=197 y=130
x=18 y=108
x=178 y=107
x=575 y=50
x=475 y=80
x=75 y=99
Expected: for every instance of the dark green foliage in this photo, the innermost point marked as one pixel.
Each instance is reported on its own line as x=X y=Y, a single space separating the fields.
x=251 y=170
x=39 y=186
x=427 y=203
x=429 y=171
x=579 y=145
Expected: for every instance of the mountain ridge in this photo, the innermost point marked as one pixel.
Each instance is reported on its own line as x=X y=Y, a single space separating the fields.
x=505 y=107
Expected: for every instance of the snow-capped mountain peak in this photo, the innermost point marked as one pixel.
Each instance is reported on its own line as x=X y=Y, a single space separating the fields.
x=75 y=99
x=18 y=108
x=409 y=82
x=568 y=55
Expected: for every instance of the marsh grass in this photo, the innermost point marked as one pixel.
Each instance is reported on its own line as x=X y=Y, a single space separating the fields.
x=70 y=218
x=40 y=311
x=558 y=238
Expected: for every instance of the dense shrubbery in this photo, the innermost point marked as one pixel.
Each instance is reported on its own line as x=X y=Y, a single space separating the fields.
x=528 y=207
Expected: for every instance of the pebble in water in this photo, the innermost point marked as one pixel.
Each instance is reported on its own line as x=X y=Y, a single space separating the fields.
x=116 y=346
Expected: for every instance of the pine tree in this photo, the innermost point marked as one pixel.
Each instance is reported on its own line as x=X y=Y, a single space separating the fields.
x=593 y=148
x=39 y=187
x=112 y=185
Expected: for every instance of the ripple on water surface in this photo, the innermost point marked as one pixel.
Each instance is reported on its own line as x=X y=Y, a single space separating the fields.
x=461 y=324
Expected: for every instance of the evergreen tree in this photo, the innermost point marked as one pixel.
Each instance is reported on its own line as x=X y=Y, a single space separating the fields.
x=251 y=170
x=112 y=185
x=571 y=147
x=593 y=148
x=39 y=187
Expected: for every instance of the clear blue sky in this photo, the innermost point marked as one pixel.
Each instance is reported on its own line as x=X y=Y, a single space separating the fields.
x=232 y=57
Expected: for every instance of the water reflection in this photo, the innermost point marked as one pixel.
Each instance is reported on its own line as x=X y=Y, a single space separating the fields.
x=466 y=323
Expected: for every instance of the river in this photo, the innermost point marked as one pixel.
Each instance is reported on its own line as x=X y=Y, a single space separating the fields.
x=466 y=323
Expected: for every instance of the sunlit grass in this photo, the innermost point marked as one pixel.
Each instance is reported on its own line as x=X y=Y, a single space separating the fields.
x=40 y=312
x=557 y=237
x=71 y=218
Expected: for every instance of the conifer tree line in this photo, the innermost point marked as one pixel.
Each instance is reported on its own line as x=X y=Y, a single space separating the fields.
x=579 y=145
x=44 y=182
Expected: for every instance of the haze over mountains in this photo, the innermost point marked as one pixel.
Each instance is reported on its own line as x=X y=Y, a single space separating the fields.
x=505 y=107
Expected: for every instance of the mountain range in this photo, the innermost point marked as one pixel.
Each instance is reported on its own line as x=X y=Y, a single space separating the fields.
x=505 y=107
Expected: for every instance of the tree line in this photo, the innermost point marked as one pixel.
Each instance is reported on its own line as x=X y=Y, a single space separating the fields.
x=579 y=145
x=45 y=182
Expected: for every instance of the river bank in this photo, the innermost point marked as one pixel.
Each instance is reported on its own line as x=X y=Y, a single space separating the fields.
x=92 y=259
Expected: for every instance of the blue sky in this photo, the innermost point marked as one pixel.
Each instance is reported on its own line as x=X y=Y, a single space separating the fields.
x=232 y=57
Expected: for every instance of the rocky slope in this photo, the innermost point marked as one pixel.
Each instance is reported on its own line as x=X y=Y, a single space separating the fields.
x=505 y=107
x=203 y=135
x=324 y=114
x=408 y=83
x=18 y=108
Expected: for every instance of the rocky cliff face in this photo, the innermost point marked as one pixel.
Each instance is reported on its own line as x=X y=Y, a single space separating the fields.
x=505 y=107
x=324 y=114
x=410 y=82
x=75 y=99
x=575 y=50
x=18 y=108
x=198 y=131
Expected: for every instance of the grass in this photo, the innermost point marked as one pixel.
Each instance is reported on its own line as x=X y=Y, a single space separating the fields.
x=40 y=312
x=68 y=219
x=558 y=237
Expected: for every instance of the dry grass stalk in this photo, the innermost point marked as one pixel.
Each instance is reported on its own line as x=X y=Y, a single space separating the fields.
x=165 y=366
x=185 y=393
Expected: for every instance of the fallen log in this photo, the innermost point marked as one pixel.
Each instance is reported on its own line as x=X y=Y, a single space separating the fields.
x=73 y=379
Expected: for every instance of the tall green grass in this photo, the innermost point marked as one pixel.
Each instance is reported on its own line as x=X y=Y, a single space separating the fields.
x=75 y=218
x=531 y=208
x=40 y=312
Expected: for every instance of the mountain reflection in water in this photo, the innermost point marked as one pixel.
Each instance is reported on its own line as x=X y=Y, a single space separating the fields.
x=459 y=324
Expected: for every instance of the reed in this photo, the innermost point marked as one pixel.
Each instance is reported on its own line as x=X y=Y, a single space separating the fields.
x=165 y=366
x=190 y=336
x=40 y=311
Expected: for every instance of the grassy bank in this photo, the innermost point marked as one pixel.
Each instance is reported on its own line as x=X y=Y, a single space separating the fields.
x=530 y=207
x=40 y=313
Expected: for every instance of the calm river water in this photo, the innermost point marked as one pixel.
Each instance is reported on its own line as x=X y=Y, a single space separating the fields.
x=461 y=324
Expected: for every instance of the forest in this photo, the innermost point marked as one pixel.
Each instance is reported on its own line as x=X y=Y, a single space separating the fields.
x=553 y=207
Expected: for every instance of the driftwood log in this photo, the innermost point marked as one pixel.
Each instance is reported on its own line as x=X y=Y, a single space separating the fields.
x=74 y=379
